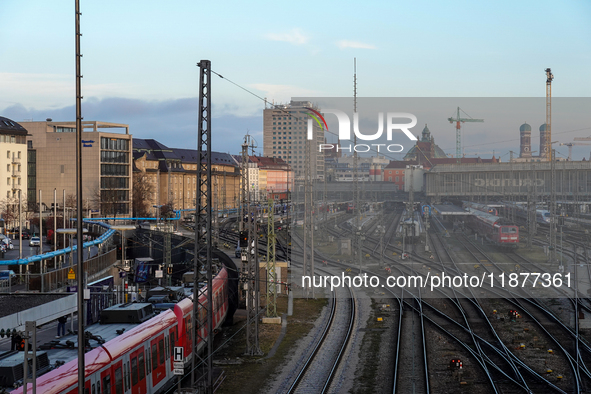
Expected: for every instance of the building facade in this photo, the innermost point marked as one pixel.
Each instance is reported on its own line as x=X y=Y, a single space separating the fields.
x=13 y=160
x=106 y=164
x=172 y=174
x=285 y=130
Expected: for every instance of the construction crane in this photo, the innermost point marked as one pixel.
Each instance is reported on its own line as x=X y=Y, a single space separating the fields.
x=570 y=147
x=459 y=121
x=547 y=150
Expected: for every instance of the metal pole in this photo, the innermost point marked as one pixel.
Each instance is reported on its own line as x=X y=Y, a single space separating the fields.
x=42 y=264
x=79 y=231
x=26 y=366
x=54 y=224
x=20 y=237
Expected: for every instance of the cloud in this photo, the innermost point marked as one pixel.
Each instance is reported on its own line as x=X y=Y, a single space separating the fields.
x=295 y=37
x=354 y=44
x=282 y=93
x=172 y=122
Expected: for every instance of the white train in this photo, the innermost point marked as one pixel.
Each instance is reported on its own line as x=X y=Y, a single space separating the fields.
x=542 y=215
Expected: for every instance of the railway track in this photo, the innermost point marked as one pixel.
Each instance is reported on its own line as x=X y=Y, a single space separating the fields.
x=320 y=367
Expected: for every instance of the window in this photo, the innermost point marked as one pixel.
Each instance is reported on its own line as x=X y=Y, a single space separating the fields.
x=8 y=167
x=118 y=381
x=134 y=374
x=397 y=179
x=154 y=357
x=125 y=376
x=62 y=169
x=142 y=366
x=8 y=154
x=166 y=350
x=172 y=342
x=161 y=350
x=93 y=389
x=107 y=384
x=19 y=154
x=389 y=179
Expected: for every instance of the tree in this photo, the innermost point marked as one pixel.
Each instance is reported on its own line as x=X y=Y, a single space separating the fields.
x=167 y=210
x=142 y=193
x=9 y=210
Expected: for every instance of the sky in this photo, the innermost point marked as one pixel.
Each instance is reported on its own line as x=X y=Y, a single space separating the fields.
x=139 y=61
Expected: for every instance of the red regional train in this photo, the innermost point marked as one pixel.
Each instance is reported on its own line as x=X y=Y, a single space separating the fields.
x=480 y=207
x=492 y=227
x=140 y=361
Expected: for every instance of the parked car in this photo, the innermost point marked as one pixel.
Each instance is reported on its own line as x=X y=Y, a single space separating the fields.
x=35 y=241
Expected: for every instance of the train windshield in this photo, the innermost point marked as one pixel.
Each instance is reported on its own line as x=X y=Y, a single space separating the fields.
x=509 y=230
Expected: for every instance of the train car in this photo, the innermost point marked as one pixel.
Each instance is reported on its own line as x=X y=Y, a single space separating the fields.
x=139 y=360
x=350 y=207
x=494 y=228
x=480 y=207
x=542 y=215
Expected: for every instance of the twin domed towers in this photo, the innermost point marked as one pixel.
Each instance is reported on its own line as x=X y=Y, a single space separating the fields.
x=525 y=142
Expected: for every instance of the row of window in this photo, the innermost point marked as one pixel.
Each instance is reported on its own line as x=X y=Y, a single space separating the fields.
x=114 y=169
x=114 y=195
x=114 y=143
x=114 y=157
x=17 y=156
x=14 y=139
x=114 y=208
x=10 y=169
x=114 y=183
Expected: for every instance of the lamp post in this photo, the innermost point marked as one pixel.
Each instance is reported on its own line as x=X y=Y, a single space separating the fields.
x=71 y=232
x=121 y=228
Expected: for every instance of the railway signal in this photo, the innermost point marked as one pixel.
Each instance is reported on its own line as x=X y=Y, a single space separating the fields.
x=456 y=364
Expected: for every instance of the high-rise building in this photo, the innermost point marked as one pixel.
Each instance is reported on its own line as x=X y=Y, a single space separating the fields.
x=285 y=130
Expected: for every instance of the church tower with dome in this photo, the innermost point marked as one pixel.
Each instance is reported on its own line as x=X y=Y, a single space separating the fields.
x=525 y=141
x=425 y=148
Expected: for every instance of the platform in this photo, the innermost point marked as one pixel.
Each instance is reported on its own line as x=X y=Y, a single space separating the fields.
x=449 y=210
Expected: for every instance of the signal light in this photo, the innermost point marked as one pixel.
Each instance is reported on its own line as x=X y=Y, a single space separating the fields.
x=170 y=270
x=243 y=239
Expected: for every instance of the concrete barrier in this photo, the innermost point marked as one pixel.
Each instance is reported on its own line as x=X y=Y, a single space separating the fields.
x=41 y=314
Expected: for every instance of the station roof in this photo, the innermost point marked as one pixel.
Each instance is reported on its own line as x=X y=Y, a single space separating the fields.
x=449 y=210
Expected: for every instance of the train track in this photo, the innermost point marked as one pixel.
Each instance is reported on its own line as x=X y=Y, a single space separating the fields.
x=320 y=368
x=506 y=372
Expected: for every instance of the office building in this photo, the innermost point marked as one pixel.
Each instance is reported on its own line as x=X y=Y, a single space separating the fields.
x=285 y=130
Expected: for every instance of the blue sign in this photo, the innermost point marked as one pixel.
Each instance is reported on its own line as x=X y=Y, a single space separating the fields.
x=142 y=270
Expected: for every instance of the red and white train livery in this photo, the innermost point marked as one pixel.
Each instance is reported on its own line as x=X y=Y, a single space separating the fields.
x=494 y=229
x=140 y=361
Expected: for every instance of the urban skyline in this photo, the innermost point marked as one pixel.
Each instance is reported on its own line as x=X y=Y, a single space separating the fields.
x=149 y=79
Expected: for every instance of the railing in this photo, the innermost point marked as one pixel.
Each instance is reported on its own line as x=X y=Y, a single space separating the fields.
x=57 y=279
